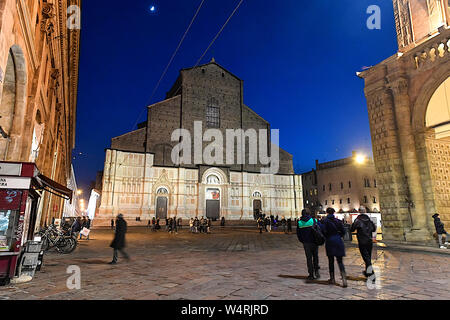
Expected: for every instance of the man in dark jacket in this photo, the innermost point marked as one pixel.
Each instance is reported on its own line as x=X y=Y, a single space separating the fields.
x=440 y=230
x=119 y=239
x=364 y=228
x=76 y=226
x=305 y=236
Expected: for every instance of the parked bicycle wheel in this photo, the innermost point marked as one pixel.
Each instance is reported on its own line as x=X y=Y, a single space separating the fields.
x=66 y=245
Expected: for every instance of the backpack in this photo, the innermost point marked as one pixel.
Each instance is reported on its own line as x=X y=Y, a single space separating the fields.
x=319 y=238
x=367 y=227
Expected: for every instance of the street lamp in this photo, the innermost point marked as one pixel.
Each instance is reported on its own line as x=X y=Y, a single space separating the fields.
x=360 y=159
x=79 y=191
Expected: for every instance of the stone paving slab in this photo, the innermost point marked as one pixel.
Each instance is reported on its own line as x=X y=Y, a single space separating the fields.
x=230 y=263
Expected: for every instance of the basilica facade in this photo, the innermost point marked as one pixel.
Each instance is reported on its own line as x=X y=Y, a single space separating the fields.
x=143 y=179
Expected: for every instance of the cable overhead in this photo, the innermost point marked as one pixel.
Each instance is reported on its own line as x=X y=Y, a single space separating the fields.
x=220 y=31
x=171 y=59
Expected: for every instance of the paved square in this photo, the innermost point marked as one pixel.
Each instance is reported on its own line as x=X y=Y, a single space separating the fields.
x=230 y=263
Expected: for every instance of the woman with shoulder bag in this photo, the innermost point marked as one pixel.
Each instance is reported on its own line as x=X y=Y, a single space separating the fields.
x=333 y=230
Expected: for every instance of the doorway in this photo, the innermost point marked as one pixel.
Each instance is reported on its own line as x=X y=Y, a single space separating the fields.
x=161 y=208
x=213 y=209
x=256 y=208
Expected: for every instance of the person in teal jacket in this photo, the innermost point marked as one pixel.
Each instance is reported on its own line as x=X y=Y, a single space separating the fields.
x=305 y=236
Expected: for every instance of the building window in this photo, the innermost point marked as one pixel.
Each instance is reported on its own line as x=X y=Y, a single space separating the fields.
x=374 y=183
x=350 y=184
x=315 y=192
x=348 y=200
x=374 y=200
x=326 y=202
x=366 y=183
x=256 y=194
x=212 y=117
x=365 y=199
x=323 y=188
x=342 y=185
x=329 y=187
x=160 y=190
x=340 y=201
x=332 y=202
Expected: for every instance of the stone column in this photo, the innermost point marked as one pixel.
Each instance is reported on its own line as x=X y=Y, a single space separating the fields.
x=419 y=230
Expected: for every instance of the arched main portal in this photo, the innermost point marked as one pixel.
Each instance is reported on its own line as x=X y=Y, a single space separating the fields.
x=162 y=200
x=213 y=197
x=257 y=204
x=13 y=105
x=437 y=143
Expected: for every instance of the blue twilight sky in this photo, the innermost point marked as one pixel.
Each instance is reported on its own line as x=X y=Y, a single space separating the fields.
x=298 y=60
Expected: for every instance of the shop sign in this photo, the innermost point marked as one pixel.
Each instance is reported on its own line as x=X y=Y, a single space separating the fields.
x=15 y=183
x=10 y=169
x=10 y=199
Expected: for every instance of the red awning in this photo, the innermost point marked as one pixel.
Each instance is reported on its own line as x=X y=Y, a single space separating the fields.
x=53 y=186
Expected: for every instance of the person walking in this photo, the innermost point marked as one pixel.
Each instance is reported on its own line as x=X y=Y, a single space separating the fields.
x=260 y=223
x=305 y=236
x=88 y=226
x=267 y=223
x=440 y=230
x=196 y=225
x=174 y=225
x=83 y=225
x=289 y=225
x=364 y=228
x=333 y=230
x=76 y=226
x=118 y=242
x=208 y=225
x=222 y=222
x=112 y=224
x=153 y=224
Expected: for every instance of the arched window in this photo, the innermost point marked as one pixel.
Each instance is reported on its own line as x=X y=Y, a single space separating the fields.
x=257 y=194
x=162 y=190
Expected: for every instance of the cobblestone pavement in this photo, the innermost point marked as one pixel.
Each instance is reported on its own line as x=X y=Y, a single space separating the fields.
x=237 y=264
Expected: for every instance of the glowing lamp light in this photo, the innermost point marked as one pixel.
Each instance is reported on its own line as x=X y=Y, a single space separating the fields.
x=152 y=8
x=79 y=191
x=360 y=159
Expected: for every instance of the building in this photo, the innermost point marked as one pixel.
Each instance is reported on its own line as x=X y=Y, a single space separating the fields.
x=348 y=184
x=311 y=191
x=408 y=99
x=71 y=206
x=39 y=56
x=141 y=179
x=345 y=185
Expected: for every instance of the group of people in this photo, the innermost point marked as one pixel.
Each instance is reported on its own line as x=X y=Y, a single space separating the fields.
x=201 y=226
x=154 y=224
x=173 y=224
x=79 y=224
x=310 y=231
x=331 y=229
x=269 y=223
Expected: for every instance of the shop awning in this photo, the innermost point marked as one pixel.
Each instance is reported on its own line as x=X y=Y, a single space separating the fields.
x=54 y=187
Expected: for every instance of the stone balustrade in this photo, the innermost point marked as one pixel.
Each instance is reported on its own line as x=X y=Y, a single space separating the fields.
x=436 y=50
